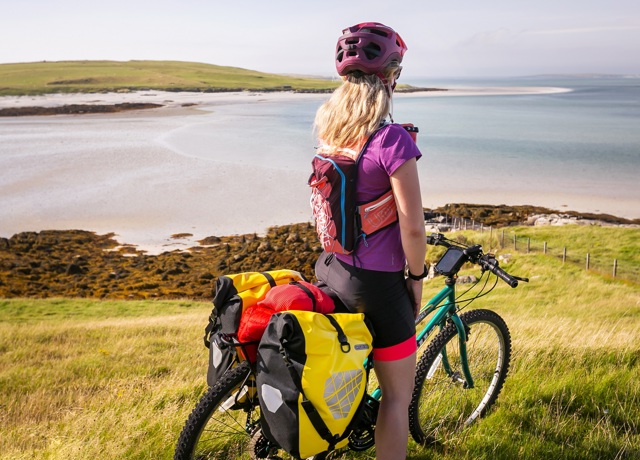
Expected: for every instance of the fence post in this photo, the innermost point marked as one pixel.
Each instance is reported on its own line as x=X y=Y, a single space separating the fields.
x=502 y=242
x=588 y=257
x=544 y=248
x=515 y=242
x=528 y=245
x=615 y=267
x=564 y=254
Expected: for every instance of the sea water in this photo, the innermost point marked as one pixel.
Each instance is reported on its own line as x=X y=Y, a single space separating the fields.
x=582 y=143
x=239 y=163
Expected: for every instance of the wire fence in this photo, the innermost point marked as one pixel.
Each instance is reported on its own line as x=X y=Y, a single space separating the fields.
x=505 y=239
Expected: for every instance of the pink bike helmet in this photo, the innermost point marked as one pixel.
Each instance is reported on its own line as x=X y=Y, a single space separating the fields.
x=369 y=48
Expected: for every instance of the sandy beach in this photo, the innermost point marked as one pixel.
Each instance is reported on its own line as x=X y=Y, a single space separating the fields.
x=180 y=99
x=119 y=173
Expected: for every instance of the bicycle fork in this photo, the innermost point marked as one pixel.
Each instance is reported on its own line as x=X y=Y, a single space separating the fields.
x=467 y=382
x=448 y=293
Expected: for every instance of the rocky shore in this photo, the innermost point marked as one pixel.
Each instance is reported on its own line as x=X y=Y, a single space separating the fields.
x=75 y=109
x=76 y=263
x=95 y=107
x=501 y=216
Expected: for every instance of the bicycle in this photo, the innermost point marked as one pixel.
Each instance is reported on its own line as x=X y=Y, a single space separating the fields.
x=458 y=376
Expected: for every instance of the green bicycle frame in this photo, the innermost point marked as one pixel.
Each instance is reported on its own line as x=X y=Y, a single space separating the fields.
x=445 y=304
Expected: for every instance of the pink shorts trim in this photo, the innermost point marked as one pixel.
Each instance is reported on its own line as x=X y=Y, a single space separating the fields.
x=396 y=352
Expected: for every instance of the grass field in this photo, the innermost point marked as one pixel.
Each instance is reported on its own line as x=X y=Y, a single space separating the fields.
x=101 y=76
x=101 y=379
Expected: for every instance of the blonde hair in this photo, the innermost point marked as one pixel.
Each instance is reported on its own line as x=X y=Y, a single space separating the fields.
x=354 y=110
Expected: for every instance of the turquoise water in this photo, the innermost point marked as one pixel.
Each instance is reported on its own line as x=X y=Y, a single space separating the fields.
x=588 y=137
x=239 y=164
x=583 y=143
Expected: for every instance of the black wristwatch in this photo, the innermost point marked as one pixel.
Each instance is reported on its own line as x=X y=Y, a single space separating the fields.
x=418 y=277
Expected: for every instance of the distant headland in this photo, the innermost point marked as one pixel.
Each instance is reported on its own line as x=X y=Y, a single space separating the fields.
x=46 y=77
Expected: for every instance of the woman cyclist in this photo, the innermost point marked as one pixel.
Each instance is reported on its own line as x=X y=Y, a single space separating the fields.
x=372 y=279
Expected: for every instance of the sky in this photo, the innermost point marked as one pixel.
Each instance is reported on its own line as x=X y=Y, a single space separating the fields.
x=464 y=38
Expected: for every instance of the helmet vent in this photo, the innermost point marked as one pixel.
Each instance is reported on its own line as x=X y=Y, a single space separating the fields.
x=372 y=51
x=379 y=32
x=368 y=48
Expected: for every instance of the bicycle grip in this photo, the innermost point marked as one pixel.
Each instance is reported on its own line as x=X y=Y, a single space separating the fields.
x=436 y=239
x=504 y=276
x=492 y=266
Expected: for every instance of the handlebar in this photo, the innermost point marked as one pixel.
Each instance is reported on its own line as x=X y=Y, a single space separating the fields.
x=474 y=254
x=490 y=263
x=438 y=239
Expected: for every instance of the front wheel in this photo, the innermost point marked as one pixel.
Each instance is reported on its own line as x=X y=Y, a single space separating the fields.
x=442 y=404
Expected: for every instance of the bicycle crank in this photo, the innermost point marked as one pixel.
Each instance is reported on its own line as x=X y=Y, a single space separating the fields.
x=260 y=448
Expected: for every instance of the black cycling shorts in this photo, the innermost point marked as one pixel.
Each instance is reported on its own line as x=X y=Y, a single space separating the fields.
x=381 y=296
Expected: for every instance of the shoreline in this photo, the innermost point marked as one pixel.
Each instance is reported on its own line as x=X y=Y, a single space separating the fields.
x=146 y=241
x=184 y=99
x=83 y=264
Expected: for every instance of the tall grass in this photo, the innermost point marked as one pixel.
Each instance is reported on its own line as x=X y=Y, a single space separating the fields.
x=82 y=379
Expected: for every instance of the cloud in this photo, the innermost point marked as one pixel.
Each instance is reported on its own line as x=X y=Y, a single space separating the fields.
x=489 y=38
x=505 y=36
x=581 y=30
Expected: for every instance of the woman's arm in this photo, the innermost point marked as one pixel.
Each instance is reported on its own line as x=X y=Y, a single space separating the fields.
x=406 y=189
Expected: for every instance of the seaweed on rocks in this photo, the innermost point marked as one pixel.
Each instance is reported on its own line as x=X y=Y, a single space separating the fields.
x=77 y=263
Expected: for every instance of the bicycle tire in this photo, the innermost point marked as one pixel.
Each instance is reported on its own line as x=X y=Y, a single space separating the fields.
x=202 y=437
x=441 y=406
x=214 y=430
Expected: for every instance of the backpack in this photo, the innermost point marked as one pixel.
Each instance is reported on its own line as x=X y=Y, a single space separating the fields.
x=311 y=379
x=340 y=221
x=233 y=295
x=297 y=295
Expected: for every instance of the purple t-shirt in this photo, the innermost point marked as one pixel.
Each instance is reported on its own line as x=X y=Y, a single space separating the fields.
x=389 y=149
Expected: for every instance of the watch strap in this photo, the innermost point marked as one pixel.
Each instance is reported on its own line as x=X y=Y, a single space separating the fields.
x=418 y=277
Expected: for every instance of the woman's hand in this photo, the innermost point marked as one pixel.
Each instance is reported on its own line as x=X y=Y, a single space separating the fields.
x=415 y=294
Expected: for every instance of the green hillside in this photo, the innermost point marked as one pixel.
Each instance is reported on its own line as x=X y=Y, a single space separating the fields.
x=82 y=378
x=99 y=76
